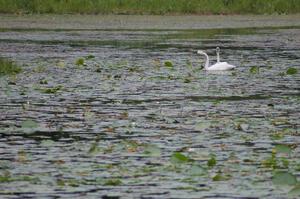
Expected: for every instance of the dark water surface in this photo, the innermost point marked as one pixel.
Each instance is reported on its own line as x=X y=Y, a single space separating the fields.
x=111 y=127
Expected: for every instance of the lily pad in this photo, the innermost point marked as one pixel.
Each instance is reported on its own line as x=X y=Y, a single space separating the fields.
x=281 y=148
x=254 y=69
x=197 y=170
x=212 y=161
x=169 y=64
x=284 y=178
x=179 y=158
x=295 y=191
x=291 y=71
x=29 y=124
x=80 y=62
x=113 y=182
x=152 y=150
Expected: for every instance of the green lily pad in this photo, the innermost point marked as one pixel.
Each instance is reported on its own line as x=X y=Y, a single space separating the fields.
x=219 y=177
x=254 y=69
x=212 y=161
x=113 y=182
x=291 y=71
x=179 y=158
x=295 y=191
x=281 y=148
x=80 y=62
x=90 y=57
x=197 y=170
x=169 y=64
x=152 y=150
x=29 y=124
x=284 y=178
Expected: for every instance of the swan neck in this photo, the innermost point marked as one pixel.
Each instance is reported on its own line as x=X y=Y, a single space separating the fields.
x=218 y=57
x=207 y=61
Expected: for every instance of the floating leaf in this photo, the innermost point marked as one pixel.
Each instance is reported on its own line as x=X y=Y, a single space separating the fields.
x=281 y=148
x=90 y=57
x=61 y=64
x=5 y=179
x=94 y=148
x=80 y=62
x=197 y=171
x=202 y=126
x=187 y=80
x=291 y=71
x=179 y=158
x=60 y=182
x=113 y=182
x=169 y=64
x=295 y=191
x=254 y=69
x=47 y=143
x=52 y=90
x=284 y=178
x=271 y=162
x=212 y=161
x=219 y=177
x=29 y=124
x=152 y=150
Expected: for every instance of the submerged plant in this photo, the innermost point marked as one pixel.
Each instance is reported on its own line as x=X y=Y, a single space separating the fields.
x=8 y=67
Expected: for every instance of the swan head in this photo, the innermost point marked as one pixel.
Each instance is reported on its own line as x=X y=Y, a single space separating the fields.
x=218 y=49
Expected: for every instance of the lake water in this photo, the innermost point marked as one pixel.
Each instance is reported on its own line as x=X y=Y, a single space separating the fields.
x=129 y=113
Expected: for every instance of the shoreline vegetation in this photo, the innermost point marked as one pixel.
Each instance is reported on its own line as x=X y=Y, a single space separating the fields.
x=152 y=7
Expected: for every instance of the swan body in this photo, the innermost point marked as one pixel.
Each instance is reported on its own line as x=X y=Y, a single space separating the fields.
x=217 y=66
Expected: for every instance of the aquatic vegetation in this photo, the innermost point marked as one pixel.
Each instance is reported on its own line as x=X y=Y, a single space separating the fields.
x=179 y=158
x=284 y=178
x=254 y=70
x=52 y=90
x=113 y=182
x=169 y=64
x=8 y=67
x=295 y=191
x=280 y=148
x=61 y=64
x=80 y=62
x=212 y=161
x=152 y=150
x=89 y=57
x=291 y=71
x=29 y=124
x=220 y=177
x=43 y=81
x=39 y=69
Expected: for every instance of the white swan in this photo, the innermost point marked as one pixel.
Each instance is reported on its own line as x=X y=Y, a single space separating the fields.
x=217 y=66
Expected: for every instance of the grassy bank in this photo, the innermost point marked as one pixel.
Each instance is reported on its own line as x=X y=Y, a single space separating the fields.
x=151 y=6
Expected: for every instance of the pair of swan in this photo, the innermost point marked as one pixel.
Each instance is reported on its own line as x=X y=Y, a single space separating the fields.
x=217 y=66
